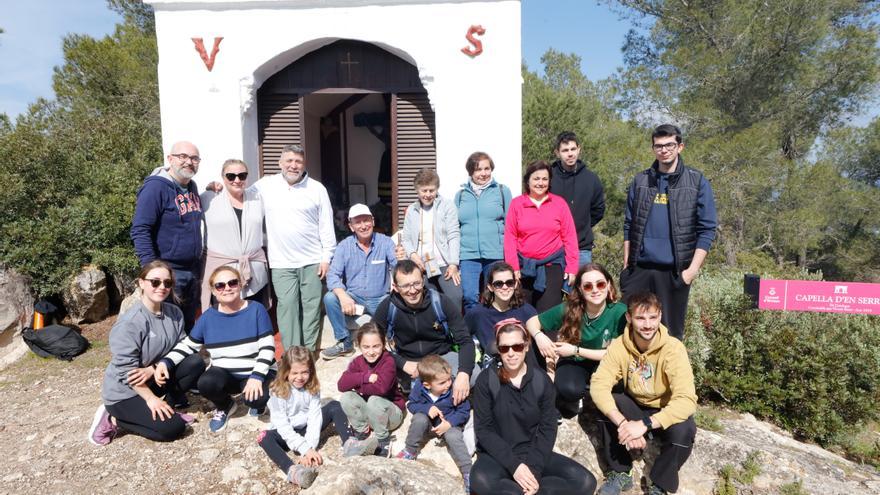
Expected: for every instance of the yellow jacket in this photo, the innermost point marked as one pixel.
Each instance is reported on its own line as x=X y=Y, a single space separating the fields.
x=661 y=378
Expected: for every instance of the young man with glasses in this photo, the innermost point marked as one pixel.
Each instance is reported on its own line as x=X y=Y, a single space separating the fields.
x=419 y=328
x=167 y=224
x=669 y=225
x=358 y=279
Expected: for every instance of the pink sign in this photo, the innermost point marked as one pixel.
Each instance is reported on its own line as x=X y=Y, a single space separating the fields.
x=827 y=297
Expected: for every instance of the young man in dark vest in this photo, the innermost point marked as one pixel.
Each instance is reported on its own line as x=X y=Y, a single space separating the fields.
x=668 y=228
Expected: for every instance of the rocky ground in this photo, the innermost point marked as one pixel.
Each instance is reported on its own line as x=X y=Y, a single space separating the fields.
x=47 y=406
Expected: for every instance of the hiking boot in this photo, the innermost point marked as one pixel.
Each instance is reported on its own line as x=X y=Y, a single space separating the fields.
x=359 y=444
x=221 y=418
x=302 y=475
x=656 y=490
x=339 y=349
x=383 y=448
x=615 y=483
x=102 y=431
x=406 y=455
x=255 y=413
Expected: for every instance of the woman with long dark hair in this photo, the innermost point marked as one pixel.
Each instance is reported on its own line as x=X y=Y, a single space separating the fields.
x=502 y=299
x=515 y=424
x=584 y=324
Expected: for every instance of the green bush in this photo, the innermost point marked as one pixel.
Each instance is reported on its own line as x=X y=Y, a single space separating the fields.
x=815 y=374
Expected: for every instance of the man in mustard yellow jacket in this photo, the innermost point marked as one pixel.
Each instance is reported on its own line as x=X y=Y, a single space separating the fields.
x=658 y=399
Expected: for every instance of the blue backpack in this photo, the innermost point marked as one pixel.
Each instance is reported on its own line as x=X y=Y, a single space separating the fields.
x=436 y=304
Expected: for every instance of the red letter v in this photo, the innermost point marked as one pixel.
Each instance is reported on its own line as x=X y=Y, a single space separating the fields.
x=200 y=47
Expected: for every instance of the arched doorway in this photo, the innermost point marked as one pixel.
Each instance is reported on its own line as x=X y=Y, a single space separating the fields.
x=364 y=119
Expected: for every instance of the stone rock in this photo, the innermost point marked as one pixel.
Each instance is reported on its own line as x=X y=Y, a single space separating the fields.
x=86 y=297
x=234 y=471
x=207 y=456
x=375 y=475
x=129 y=301
x=16 y=313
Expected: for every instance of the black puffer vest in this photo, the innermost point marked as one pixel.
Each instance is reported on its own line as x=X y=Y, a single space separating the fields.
x=684 y=189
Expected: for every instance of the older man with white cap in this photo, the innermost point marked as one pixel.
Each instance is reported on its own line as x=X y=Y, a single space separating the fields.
x=358 y=278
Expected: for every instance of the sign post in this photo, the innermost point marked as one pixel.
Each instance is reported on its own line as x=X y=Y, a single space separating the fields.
x=807 y=295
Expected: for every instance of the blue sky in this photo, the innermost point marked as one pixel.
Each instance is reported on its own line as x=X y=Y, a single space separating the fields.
x=31 y=44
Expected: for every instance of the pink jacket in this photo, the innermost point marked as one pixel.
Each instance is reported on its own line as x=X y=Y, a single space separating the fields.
x=357 y=378
x=538 y=232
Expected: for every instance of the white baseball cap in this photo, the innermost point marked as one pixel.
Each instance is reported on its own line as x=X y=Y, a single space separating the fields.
x=358 y=210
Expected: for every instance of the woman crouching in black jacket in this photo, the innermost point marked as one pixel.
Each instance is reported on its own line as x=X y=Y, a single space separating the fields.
x=515 y=421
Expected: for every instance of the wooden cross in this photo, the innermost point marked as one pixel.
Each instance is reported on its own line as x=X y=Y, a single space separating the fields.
x=348 y=63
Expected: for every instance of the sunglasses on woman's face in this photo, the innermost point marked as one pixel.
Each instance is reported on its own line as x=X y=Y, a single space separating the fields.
x=504 y=283
x=600 y=285
x=156 y=282
x=222 y=285
x=504 y=349
x=231 y=177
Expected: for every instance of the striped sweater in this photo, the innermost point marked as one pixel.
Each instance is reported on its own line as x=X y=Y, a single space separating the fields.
x=241 y=343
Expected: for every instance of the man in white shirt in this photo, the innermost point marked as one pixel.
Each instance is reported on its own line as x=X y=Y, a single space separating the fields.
x=301 y=241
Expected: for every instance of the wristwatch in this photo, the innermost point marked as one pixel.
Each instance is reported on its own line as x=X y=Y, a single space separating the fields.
x=647 y=421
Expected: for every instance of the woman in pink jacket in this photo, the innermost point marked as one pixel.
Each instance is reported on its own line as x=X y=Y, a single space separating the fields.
x=540 y=240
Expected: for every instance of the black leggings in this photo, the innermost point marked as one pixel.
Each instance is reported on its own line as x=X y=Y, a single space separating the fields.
x=572 y=384
x=677 y=441
x=217 y=385
x=561 y=476
x=552 y=295
x=134 y=415
x=276 y=448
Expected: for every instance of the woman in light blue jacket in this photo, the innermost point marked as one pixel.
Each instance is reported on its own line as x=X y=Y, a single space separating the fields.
x=482 y=205
x=431 y=236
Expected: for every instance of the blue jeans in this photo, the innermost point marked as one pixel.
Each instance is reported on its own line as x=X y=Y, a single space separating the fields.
x=584 y=257
x=470 y=279
x=339 y=321
x=187 y=287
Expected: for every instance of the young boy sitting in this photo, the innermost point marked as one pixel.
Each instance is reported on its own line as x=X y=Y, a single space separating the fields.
x=432 y=408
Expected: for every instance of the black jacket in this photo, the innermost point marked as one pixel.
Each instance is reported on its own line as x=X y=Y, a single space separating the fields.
x=417 y=332
x=583 y=192
x=514 y=427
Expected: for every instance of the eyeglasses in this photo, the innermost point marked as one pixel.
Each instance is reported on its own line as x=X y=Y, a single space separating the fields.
x=665 y=146
x=222 y=285
x=504 y=349
x=412 y=286
x=600 y=285
x=504 y=283
x=184 y=157
x=231 y=177
x=156 y=282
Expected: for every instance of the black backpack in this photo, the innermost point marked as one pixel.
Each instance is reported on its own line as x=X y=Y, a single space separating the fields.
x=55 y=340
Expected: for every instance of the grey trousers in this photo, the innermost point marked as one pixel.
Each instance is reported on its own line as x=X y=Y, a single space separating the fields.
x=419 y=428
x=378 y=413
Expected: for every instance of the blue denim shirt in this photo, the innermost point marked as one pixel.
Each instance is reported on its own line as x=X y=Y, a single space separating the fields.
x=365 y=274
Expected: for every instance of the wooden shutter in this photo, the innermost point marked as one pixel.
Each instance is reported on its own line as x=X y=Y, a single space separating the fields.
x=281 y=123
x=414 y=147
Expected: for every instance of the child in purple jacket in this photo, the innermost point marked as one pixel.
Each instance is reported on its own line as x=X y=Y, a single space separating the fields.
x=371 y=397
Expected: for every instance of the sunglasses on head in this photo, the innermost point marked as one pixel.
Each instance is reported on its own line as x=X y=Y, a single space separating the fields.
x=504 y=283
x=222 y=285
x=156 y=282
x=231 y=177
x=504 y=349
x=600 y=285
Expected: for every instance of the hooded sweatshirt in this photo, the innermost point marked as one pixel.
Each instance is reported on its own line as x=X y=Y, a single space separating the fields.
x=660 y=378
x=167 y=222
x=584 y=194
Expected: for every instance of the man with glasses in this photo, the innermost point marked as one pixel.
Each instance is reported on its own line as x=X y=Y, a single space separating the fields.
x=420 y=322
x=668 y=228
x=167 y=224
x=301 y=240
x=358 y=279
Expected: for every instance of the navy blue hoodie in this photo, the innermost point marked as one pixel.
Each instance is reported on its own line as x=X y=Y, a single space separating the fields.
x=167 y=222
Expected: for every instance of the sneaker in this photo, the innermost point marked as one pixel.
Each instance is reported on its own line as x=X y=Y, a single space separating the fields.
x=220 y=418
x=355 y=446
x=615 y=483
x=656 y=490
x=383 y=448
x=338 y=349
x=254 y=412
x=102 y=431
x=466 y=480
x=302 y=475
x=406 y=455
